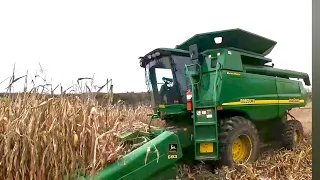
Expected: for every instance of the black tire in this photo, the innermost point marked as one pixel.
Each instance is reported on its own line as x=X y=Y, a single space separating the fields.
x=288 y=133
x=230 y=129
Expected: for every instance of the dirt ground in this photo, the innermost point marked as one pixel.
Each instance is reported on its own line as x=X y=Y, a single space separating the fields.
x=304 y=115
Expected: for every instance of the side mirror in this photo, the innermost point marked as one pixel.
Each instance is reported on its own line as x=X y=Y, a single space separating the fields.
x=193 y=49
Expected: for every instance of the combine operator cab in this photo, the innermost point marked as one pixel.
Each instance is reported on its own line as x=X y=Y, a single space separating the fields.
x=165 y=76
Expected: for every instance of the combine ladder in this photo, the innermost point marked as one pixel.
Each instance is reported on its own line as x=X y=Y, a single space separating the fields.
x=205 y=133
x=205 y=127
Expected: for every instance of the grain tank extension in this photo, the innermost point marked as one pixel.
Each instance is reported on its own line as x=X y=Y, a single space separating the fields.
x=221 y=98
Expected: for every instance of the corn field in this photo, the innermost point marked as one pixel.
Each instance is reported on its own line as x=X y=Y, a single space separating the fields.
x=63 y=137
x=49 y=138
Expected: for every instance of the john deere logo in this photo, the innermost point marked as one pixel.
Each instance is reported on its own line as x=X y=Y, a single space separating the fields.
x=173 y=147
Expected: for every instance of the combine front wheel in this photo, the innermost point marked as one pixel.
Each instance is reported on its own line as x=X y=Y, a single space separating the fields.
x=239 y=141
x=292 y=134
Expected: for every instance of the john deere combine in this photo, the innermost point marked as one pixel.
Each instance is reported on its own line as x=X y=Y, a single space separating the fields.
x=221 y=100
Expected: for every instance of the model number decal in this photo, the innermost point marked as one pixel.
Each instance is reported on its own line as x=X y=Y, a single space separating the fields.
x=294 y=100
x=247 y=101
x=233 y=73
x=172 y=156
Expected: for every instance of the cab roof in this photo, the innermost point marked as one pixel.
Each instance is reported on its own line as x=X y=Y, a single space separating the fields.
x=159 y=52
x=168 y=51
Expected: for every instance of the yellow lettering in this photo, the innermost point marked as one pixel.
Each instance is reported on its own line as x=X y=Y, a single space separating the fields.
x=294 y=100
x=247 y=101
x=234 y=73
x=172 y=156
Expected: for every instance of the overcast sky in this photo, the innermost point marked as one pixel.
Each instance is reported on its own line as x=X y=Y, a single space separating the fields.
x=73 y=39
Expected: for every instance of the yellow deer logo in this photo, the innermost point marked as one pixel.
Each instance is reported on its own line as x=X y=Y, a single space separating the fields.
x=173 y=147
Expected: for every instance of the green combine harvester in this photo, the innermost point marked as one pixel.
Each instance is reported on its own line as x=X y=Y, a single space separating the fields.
x=221 y=99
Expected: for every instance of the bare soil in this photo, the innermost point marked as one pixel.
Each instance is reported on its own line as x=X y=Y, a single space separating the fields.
x=304 y=115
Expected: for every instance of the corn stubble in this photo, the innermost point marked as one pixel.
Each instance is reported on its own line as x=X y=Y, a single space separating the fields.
x=59 y=137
